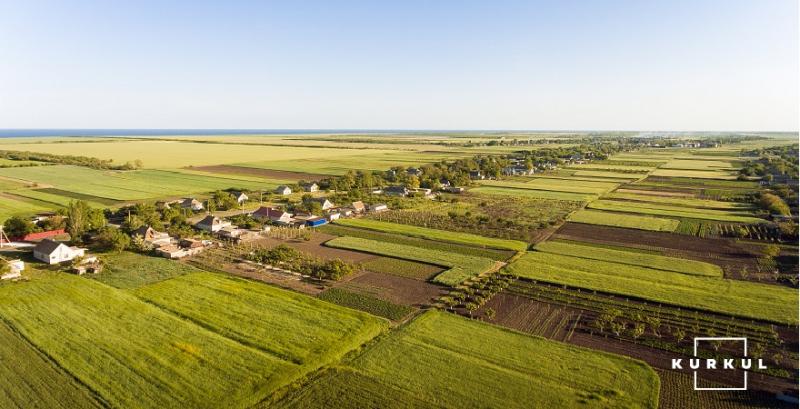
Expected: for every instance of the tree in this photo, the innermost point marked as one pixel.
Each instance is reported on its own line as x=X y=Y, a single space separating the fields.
x=471 y=307
x=638 y=330
x=18 y=226
x=655 y=324
x=77 y=219
x=113 y=239
x=771 y=250
x=679 y=334
x=138 y=243
x=490 y=314
x=618 y=327
x=757 y=350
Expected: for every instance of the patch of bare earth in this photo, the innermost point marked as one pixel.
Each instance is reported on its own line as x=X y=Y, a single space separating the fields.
x=399 y=290
x=264 y=173
x=315 y=247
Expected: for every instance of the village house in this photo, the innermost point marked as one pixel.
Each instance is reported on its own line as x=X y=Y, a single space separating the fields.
x=324 y=203
x=283 y=190
x=152 y=236
x=455 y=189
x=414 y=172
x=240 y=197
x=378 y=207
x=476 y=174
x=15 y=269
x=269 y=214
x=400 y=191
x=315 y=221
x=310 y=187
x=212 y=224
x=517 y=170
x=191 y=203
x=171 y=251
x=358 y=207
x=54 y=252
x=444 y=183
x=334 y=216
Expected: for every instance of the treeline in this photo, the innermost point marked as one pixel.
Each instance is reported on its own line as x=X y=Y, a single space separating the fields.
x=771 y=162
x=85 y=161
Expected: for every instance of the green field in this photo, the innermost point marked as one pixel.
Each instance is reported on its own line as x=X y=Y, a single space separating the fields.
x=656 y=209
x=442 y=360
x=31 y=380
x=402 y=268
x=612 y=167
x=699 y=163
x=680 y=201
x=132 y=270
x=536 y=194
x=294 y=327
x=606 y=174
x=624 y=220
x=366 y=303
x=433 y=234
x=129 y=185
x=61 y=198
x=634 y=258
x=703 y=174
x=12 y=205
x=461 y=267
x=134 y=354
x=355 y=159
x=739 y=298
x=555 y=185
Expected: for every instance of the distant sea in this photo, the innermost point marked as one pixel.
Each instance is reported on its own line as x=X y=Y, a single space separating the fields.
x=27 y=133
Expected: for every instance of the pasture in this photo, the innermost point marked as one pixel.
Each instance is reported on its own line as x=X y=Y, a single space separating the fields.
x=732 y=297
x=461 y=267
x=631 y=257
x=624 y=220
x=13 y=205
x=434 y=234
x=655 y=209
x=442 y=360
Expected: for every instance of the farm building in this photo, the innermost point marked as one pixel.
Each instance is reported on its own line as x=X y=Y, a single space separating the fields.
x=283 y=190
x=40 y=235
x=151 y=236
x=324 y=203
x=414 y=172
x=400 y=191
x=212 y=224
x=54 y=252
x=264 y=214
x=310 y=187
x=315 y=221
x=379 y=207
x=240 y=197
x=358 y=207
x=476 y=174
x=518 y=170
x=15 y=269
x=87 y=265
x=334 y=216
x=191 y=203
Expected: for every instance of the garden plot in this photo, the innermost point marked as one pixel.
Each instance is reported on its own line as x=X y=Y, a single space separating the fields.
x=655 y=209
x=624 y=220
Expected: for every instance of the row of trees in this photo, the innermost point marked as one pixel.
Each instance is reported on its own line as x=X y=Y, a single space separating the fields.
x=85 y=161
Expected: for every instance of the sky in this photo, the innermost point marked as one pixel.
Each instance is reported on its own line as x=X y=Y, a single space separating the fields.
x=697 y=65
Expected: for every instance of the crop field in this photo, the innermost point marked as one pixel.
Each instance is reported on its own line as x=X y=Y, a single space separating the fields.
x=130 y=185
x=702 y=174
x=613 y=167
x=738 y=298
x=461 y=267
x=655 y=209
x=30 y=380
x=162 y=154
x=341 y=230
x=293 y=327
x=535 y=194
x=699 y=163
x=688 y=182
x=402 y=268
x=495 y=367
x=434 y=234
x=366 y=303
x=607 y=174
x=630 y=257
x=128 y=270
x=624 y=220
x=12 y=205
x=681 y=201
x=108 y=339
x=555 y=185
x=353 y=160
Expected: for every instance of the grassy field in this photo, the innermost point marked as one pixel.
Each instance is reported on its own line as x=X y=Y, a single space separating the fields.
x=739 y=298
x=366 y=303
x=442 y=360
x=555 y=185
x=624 y=220
x=60 y=197
x=341 y=230
x=536 y=194
x=130 y=185
x=131 y=270
x=356 y=159
x=461 y=267
x=607 y=174
x=402 y=268
x=680 y=201
x=635 y=258
x=31 y=380
x=134 y=354
x=655 y=209
x=12 y=205
x=699 y=163
x=612 y=167
x=433 y=234
x=703 y=174
x=294 y=327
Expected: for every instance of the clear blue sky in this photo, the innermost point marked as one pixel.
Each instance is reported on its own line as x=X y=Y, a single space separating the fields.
x=633 y=65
